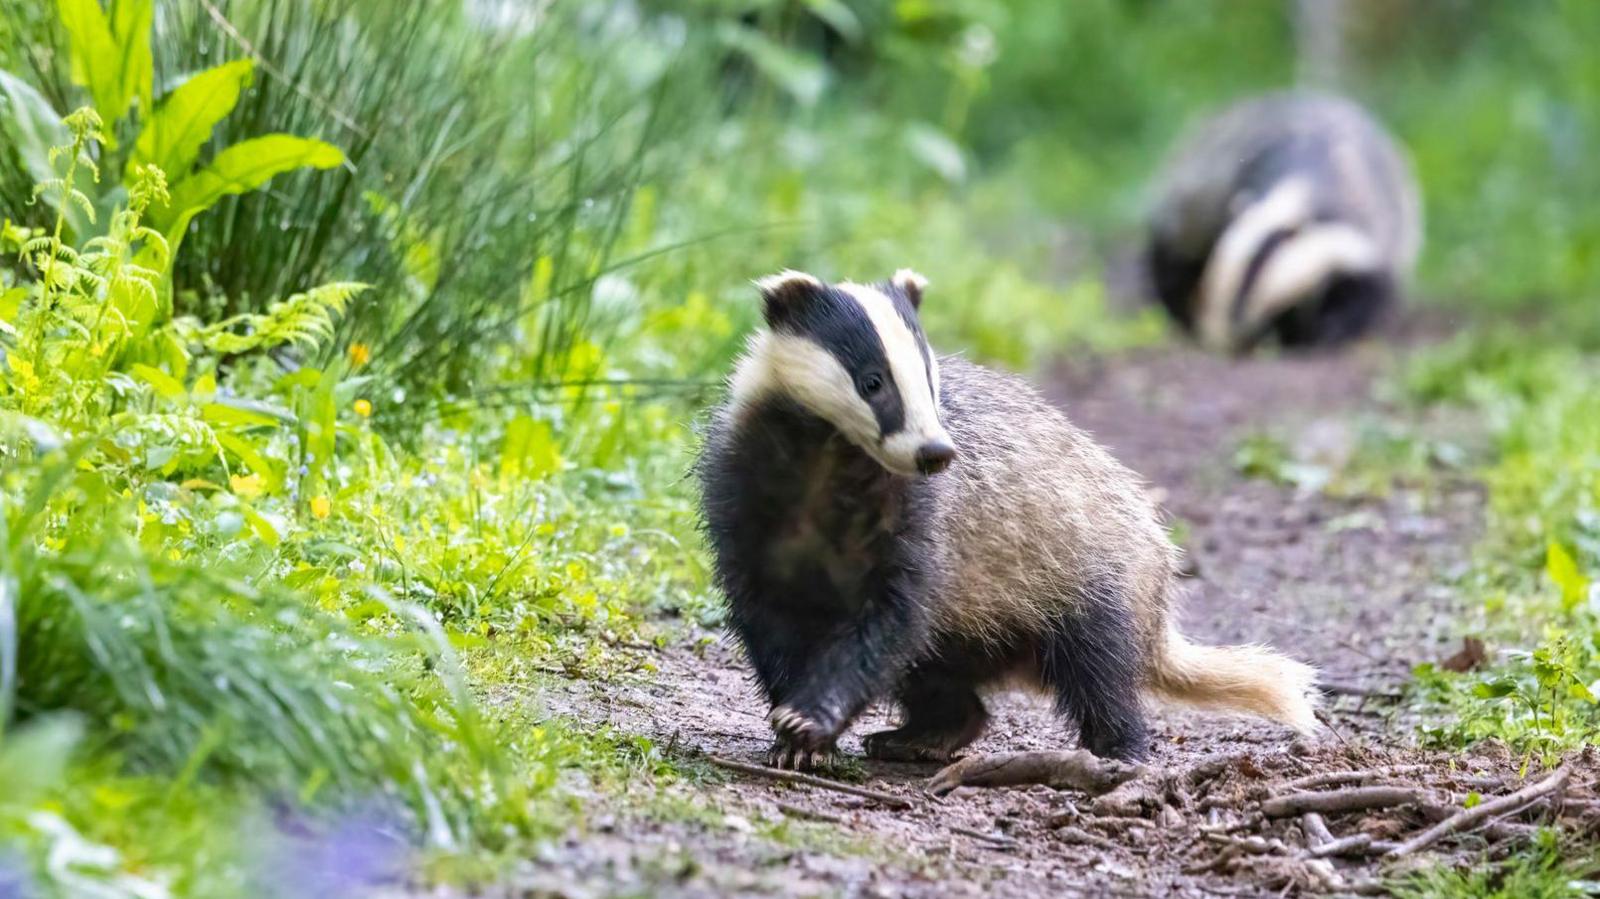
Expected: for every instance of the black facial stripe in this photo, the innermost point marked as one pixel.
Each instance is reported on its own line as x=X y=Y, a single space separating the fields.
x=1252 y=272
x=837 y=323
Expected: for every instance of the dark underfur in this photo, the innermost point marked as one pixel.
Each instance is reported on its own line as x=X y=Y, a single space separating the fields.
x=828 y=565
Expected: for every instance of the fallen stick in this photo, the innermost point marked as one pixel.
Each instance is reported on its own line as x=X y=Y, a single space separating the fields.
x=1349 y=845
x=1251 y=845
x=1340 y=778
x=1466 y=819
x=1348 y=800
x=1334 y=688
x=1229 y=826
x=796 y=777
x=1501 y=828
x=1079 y=835
x=1315 y=829
x=994 y=839
x=796 y=811
x=1077 y=769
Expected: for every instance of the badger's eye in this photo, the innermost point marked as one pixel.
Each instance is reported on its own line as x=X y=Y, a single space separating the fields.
x=870 y=383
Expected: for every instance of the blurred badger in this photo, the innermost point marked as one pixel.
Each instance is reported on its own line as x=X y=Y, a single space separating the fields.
x=885 y=523
x=1292 y=215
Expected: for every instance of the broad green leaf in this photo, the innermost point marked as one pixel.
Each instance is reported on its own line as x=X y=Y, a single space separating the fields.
x=130 y=30
x=96 y=63
x=33 y=760
x=234 y=412
x=936 y=150
x=839 y=16
x=1495 y=689
x=11 y=307
x=262 y=525
x=1563 y=571
x=165 y=385
x=185 y=119
x=32 y=126
x=239 y=169
x=252 y=458
x=530 y=451
x=801 y=76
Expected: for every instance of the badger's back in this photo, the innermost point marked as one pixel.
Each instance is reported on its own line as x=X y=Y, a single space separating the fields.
x=1035 y=519
x=1356 y=171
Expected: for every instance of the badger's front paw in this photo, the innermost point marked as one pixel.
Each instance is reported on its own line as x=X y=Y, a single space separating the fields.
x=803 y=743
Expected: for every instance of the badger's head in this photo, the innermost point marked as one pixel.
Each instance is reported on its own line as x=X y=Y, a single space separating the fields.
x=853 y=355
x=1278 y=257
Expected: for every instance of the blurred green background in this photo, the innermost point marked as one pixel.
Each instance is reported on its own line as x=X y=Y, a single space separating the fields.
x=400 y=399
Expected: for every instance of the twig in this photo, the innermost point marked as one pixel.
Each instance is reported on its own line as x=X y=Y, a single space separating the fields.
x=796 y=811
x=1230 y=826
x=796 y=777
x=1471 y=817
x=1333 y=688
x=1338 y=778
x=999 y=841
x=1078 y=769
x=1315 y=829
x=1347 y=800
x=1500 y=828
x=1227 y=855
x=1079 y=835
x=1252 y=845
x=1349 y=845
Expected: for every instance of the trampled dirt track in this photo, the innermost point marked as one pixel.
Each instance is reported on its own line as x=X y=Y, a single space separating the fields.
x=1359 y=587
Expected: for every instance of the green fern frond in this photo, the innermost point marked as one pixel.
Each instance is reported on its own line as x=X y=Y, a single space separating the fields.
x=160 y=251
x=107 y=244
x=304 y=320
x=59 y=185
x=83 y=202
x=45 y=245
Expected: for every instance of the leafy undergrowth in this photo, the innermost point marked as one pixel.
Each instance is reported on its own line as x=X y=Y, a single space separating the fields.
x=1532 y=586
x=1545 y=870
x=1533 y=578
x=233 y=615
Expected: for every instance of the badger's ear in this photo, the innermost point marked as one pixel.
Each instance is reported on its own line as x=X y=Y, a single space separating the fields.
x=782 y=294
x=911 y=284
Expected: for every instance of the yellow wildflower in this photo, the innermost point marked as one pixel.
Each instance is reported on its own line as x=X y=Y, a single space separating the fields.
x=321 y=507
x=364 y=408
x=360 y=354
x=248 y=486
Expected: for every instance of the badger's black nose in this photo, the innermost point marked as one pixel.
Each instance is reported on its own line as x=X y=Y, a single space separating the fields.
x=935 y=456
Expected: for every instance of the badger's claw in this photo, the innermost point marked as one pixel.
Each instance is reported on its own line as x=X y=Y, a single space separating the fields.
x=791 y=757
x=802 y=743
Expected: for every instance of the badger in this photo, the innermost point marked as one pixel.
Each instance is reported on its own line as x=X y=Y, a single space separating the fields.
x=886 y=524
x=1291 y=215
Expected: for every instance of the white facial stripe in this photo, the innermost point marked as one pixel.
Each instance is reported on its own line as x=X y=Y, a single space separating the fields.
x=812 y=376
x=1302 y=263
x=916 y=380
x=1287 y=205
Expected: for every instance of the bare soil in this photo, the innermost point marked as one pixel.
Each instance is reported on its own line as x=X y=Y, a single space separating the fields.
x=1359 y=587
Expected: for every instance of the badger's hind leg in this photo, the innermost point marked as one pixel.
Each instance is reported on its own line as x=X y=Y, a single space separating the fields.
x=1092 y=663
x=943 y=714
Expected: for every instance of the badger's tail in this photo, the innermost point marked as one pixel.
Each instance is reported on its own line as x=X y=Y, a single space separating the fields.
x=1238 y=678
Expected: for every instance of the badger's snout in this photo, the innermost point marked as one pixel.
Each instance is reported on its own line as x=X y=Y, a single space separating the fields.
x=935 y=456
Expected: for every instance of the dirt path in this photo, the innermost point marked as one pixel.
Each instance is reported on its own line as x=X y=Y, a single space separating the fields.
x=1354 y=586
